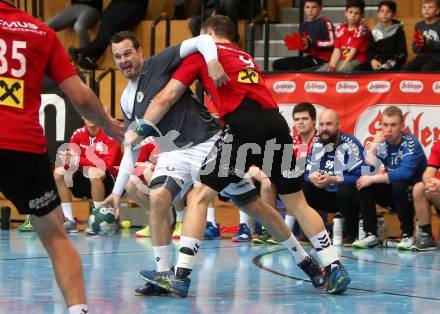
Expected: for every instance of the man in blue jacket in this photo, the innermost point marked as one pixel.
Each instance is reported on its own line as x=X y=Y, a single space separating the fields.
x=334 y=164
x=404 y=161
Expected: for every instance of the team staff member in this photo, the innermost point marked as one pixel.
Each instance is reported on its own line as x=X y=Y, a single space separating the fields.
x=244 y=102
x=333 y=166
x=29 y=50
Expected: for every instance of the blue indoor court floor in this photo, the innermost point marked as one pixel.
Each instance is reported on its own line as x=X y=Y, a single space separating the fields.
x=229 y=278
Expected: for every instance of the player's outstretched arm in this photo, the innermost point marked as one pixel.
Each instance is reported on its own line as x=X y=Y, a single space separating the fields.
x=89 y=106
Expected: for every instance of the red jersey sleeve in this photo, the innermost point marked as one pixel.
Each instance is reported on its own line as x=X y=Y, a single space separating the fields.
x=340 y=30
x=361 y=36
x=189 y=69
x=434 y=158
x=59 y=67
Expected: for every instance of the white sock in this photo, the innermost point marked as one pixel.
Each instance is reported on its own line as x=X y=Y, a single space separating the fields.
x=96 y=204
x=326 y=252
x=78 y=309
x=244 y=218
x=295 y=248
x=162 y=257
x=189 y=247
x=211 y=216
x=180 y=215
x=290 y=221
x=67 y=211
x=321 y=240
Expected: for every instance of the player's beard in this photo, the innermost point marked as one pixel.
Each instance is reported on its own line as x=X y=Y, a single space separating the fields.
x=329 y=138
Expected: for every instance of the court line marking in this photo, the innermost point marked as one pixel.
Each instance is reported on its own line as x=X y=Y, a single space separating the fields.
x=257 y=262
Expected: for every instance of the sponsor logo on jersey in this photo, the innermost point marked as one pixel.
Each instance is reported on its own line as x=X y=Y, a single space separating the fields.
x=284 y=87
x=248 y=76
x=11 y=92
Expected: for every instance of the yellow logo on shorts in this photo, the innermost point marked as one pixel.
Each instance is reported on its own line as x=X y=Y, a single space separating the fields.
x=11 y=92
x=248 y=76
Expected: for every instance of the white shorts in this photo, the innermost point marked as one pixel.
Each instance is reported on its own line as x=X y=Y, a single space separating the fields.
x=184 y=165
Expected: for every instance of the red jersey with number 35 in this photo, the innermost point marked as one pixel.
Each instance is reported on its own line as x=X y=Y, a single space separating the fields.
x=245 y=79
x=28 y=50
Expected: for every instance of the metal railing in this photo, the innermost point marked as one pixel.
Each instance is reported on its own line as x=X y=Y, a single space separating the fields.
x=263 y=18
x=164 y=16
x=97 y=85
x=33 y=7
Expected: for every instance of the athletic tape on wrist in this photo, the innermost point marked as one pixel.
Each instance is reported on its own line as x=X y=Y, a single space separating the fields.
x=144 y=130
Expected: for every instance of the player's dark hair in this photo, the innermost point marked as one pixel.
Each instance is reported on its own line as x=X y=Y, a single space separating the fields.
x=303 y=107
x=390 y=4
x=121 y=36
x=355 y=4
x=221 y=25
x=318 y=2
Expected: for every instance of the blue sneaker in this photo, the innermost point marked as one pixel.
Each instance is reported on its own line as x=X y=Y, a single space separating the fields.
x=167 y=280
x=212 y=232
x=244 y=234
x=150 y=290
x=338 y=280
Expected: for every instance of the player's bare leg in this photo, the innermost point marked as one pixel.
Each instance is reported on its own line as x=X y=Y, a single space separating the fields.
x=65 y=259
x=313 y=227
x=193 y=229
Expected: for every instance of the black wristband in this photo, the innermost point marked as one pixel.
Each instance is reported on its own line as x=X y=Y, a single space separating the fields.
x=144 y=130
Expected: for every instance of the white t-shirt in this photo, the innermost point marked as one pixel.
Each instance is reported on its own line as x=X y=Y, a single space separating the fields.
x=127 y=97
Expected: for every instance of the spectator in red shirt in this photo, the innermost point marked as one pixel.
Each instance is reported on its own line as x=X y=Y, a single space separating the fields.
x=91 y=159
x=31 y=50
x=425 y=194
x=351 y=41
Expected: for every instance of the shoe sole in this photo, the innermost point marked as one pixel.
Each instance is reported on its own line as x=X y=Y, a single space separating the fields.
x=273 y=242
x=240 y=240
x=72 y=231
x=341 y=285
x=151 y=294
x=142 y=236
x=423 y=249
x=164 y=287
x=364 y=247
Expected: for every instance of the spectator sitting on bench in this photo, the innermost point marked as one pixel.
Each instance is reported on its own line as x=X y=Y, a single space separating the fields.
x=427 y=39
x=94 y=155
x=318 y=45
x=387 y=46
x=351 y=41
